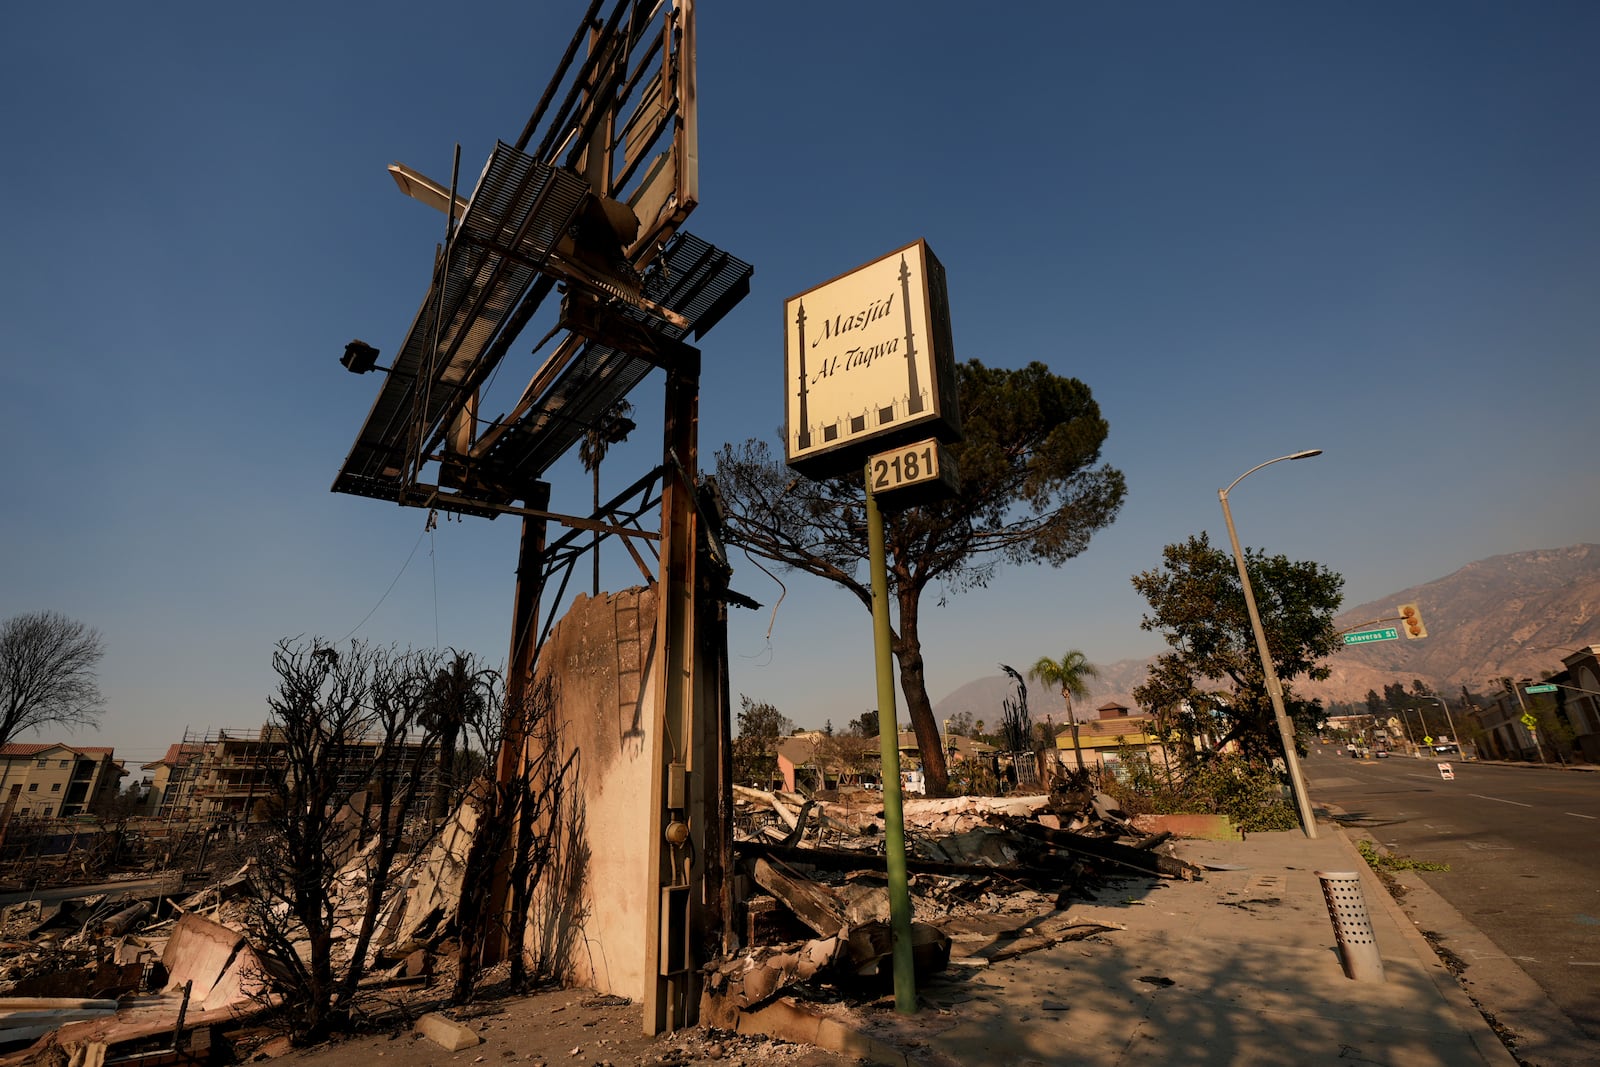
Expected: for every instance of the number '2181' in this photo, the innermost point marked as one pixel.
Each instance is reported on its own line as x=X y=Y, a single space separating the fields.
x=901 y=468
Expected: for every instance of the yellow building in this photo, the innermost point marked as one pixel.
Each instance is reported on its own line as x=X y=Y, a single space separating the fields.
x=1102 y=737
x=53 y=781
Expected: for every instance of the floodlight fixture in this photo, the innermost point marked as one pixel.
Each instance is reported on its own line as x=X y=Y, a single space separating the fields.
x=360 y=357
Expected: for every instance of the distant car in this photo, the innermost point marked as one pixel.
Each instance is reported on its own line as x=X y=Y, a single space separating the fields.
x=1382 y=753
x=1445 y=750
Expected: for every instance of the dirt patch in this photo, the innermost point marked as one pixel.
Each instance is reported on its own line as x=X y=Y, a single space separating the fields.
x=561 y=1027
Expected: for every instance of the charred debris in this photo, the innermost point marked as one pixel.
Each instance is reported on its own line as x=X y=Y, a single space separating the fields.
x=184 y=966
x=990 y=878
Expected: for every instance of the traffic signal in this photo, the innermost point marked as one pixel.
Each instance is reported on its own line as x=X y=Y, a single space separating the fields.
x=1411 y=620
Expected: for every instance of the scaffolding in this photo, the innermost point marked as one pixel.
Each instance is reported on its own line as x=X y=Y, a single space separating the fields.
x=221 y=775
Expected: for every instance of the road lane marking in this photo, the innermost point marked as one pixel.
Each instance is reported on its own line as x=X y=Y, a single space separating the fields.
x=1580 y=815
x=1497 y=800
x=1479 y=956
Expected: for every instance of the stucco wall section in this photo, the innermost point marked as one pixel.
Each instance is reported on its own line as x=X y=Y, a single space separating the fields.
x=590 y=915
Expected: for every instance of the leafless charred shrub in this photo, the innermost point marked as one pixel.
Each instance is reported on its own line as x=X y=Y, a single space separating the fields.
x=355 y=748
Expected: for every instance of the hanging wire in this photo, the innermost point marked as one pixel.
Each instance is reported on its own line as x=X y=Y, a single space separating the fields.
x=767 y=651
x=387 y=591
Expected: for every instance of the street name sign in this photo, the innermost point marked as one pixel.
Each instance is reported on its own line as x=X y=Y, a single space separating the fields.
x=1541 y=688
x=1364 y=637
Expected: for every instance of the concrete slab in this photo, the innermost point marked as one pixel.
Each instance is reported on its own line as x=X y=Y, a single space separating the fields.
x=447 y=1033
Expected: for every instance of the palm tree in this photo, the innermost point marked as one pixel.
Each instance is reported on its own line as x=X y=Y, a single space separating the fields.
x=1070 y=672
x=457 y=695
x=611 y=428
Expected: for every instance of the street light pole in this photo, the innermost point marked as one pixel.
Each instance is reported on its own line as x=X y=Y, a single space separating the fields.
x=1453 y=735
x=1291 y=759
x=1422 y=730
x=1405 y=724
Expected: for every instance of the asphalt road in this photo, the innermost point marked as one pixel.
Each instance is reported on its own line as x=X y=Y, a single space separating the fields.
x=1521 y=845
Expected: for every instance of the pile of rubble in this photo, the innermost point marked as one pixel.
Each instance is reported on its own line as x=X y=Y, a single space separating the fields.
x=147 y=971
x=140 y=972
x=817 y=918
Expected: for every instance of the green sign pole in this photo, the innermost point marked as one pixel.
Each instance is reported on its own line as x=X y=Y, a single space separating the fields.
x=894 y=827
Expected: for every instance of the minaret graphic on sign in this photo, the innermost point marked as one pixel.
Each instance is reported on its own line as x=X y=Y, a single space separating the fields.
x=913 y=391
x=804 y=441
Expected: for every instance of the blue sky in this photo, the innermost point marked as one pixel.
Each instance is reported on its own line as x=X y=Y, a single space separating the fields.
x=1250 y=228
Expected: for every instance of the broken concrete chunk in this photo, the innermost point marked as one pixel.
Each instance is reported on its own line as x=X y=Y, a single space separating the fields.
x=446 y=1033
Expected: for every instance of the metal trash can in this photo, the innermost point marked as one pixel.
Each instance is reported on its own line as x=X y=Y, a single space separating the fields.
x=1358 y=947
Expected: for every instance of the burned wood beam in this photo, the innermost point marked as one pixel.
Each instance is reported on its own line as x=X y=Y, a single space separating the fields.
x=126 y=918
x=1033 y=942
x=1110 y=851
x=813 y=904
x=1153 y=840
x=829 y=859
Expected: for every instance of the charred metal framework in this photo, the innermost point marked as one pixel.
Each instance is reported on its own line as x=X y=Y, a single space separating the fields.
x=586 y=205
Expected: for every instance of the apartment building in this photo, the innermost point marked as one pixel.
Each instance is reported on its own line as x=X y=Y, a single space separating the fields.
x=224 y=775
x=57 y=781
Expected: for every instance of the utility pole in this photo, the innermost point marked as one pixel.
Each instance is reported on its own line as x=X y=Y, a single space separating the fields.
x=1516 y=687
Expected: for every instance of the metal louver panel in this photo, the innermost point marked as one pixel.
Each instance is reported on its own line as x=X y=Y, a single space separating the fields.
x=693 y=278
x=519 y=210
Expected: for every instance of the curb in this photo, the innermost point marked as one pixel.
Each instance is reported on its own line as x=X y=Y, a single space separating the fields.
x=789 y=1019
x=1578 y=768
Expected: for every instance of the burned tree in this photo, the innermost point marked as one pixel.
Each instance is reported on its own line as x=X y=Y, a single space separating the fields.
x=459 y=694
x=1032 y=490
x=353 y=754
x=1016 y=728
x=47 y=673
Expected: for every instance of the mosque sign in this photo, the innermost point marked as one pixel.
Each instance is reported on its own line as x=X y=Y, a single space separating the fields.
x=869 y=364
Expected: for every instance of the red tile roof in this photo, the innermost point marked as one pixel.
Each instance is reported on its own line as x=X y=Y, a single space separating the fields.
x=176 y=754
x=16 y=750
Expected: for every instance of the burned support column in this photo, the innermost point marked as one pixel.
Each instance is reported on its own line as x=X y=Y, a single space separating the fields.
x=525 y=608
x=678 y=742
x=519 y=684
x=716 y=784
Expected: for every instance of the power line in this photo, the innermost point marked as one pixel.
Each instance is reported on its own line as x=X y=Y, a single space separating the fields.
x=389 y=590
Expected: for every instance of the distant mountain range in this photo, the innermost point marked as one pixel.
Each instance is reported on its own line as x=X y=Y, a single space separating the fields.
x=1505 y=615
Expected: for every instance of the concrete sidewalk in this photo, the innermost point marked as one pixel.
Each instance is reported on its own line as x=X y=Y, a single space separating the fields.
x=1239 y=968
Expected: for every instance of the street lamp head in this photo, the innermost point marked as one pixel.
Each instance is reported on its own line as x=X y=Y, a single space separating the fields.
x=1222 y=494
